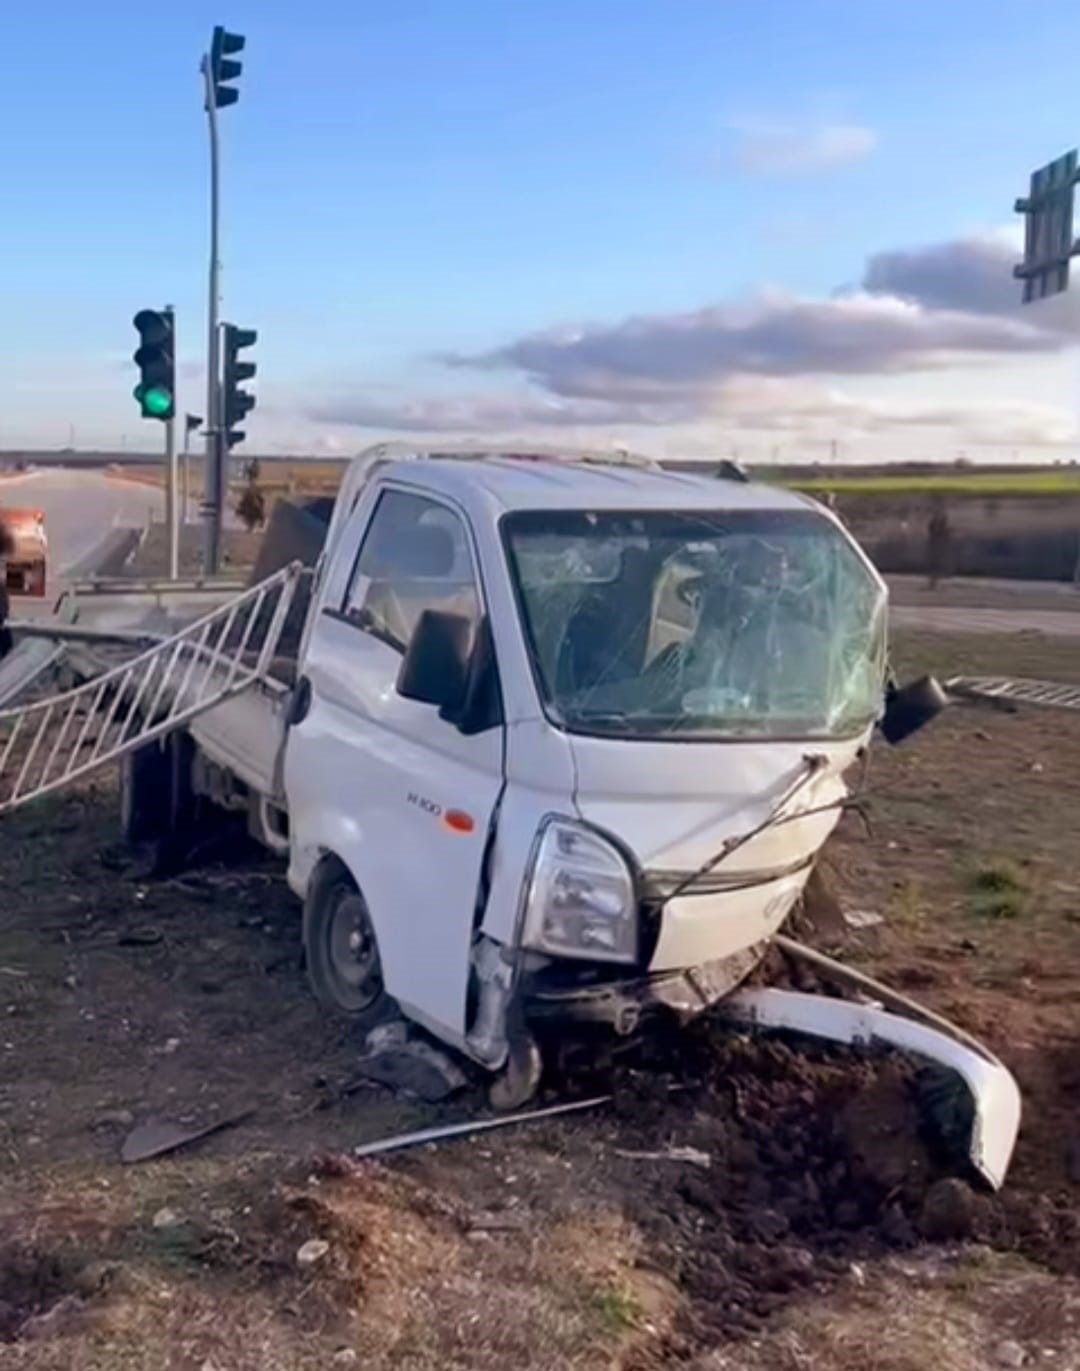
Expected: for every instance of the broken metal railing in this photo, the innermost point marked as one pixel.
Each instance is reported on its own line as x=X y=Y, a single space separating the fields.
x=1053 y=694
x=48 y=743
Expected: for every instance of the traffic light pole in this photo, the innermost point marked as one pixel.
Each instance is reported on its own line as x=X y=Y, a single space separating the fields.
x=185 y=474
x=171 y=510
x=214 y=477
x=171 y=503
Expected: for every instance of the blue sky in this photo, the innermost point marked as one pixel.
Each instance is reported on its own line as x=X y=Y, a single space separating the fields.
x=454 y=177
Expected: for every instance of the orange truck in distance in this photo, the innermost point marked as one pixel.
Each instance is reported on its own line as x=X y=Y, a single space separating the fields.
x=23 y=551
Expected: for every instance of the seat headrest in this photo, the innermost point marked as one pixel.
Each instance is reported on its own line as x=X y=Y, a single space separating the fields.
x=425 y=551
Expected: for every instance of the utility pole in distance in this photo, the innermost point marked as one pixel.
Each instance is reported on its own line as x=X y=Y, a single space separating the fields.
x=219 y=69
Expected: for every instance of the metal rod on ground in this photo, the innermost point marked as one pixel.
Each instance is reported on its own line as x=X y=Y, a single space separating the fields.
x=441 y=1132
x=212 y=480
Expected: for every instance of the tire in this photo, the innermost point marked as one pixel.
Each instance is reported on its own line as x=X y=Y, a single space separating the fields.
x=516 y=1083
x=158 y=810
x=341 y=949
x=144 y=794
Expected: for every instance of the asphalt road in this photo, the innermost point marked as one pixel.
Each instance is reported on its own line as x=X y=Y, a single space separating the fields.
x=81 y=509
x=1057 y=623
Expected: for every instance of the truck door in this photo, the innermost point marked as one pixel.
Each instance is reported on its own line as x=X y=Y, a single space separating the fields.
x=400 y=795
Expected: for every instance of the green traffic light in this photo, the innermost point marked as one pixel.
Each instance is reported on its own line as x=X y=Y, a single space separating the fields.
x=156 y=402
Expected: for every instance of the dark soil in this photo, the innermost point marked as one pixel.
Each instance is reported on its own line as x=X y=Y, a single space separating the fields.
x=124 y=998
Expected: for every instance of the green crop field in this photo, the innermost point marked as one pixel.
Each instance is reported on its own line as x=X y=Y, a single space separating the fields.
x=978 y=483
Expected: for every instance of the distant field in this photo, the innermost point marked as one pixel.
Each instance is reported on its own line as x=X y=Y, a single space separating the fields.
x=987 y=483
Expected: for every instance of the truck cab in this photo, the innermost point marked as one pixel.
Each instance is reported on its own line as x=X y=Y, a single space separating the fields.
x=567 y=737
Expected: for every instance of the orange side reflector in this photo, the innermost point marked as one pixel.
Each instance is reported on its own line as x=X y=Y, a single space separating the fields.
x=458 y=821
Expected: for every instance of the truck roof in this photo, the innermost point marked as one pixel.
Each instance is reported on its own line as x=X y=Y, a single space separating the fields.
x=575 y=480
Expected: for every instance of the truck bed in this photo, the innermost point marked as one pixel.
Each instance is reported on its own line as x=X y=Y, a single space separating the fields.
x=244 y=733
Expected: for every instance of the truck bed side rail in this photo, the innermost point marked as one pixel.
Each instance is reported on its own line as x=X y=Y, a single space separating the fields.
x=48 y=743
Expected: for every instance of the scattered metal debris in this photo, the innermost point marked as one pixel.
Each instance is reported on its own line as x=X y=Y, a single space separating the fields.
x=156 y=1138
x=1006 y=691
x=312 y=1251
x=691 y=1155
x=400 y=1141
x=146 y=936
x=862 y=918
x=401 y=1057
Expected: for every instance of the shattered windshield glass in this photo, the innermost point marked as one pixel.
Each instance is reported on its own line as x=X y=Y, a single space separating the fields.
x=750 y=624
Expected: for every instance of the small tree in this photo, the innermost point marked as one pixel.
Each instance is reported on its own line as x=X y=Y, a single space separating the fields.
x=251 y=506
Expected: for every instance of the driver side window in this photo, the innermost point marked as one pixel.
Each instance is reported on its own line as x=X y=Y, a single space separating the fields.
x=415 y=556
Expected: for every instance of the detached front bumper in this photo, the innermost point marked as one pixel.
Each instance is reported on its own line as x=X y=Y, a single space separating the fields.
x=876 y=1015
x=881 y=1015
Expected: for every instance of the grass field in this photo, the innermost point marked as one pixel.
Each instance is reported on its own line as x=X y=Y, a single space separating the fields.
x=978 y=483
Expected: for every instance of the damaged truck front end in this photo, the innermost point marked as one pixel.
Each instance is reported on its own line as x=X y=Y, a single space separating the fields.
x=708 y=686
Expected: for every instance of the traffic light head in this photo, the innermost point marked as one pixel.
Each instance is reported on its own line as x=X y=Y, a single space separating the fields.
x=156 y=390
x=222 y=68
x=236 y=402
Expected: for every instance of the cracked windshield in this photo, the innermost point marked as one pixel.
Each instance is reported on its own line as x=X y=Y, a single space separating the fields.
x=709 y=625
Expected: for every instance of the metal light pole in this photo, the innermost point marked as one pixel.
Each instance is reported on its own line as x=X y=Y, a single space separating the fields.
x=219 y=71
x=171 y=510
x=212 y=482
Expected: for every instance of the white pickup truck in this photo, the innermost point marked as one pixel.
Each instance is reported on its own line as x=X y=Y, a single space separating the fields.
x=562 y=738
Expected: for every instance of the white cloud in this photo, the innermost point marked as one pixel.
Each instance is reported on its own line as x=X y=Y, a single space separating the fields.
x=969 y=274
x=760 y=148
x=669 y=358
x=486 y=413
x=775 y=364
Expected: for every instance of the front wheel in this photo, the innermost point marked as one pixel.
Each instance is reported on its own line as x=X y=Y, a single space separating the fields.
x=341 y=949
x=516 y=1083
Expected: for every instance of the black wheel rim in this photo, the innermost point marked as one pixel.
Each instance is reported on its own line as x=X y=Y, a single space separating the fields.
x=354 y=956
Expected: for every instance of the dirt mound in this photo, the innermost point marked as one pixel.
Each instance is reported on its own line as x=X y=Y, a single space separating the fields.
x=813 y=1158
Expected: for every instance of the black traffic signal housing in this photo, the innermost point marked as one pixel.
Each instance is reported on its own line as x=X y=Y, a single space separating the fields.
x=236 y=403
x=156 y=360
x=223 y=68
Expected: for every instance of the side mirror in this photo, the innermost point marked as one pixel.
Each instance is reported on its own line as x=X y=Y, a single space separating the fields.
x=908 y=707
x=435 y=668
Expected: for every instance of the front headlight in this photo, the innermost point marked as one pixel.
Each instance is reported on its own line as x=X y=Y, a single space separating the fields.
x=580 y=901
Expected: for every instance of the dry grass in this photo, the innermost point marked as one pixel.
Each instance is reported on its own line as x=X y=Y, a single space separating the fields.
x=976 y=483
x=952 y=1312
x=531 y=1251
x=411 y=1279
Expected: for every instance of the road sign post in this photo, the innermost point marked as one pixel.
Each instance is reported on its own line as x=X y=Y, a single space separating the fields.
x=1049 y=245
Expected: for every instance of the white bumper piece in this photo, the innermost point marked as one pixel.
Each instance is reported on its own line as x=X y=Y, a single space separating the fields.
x=993 y=1090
